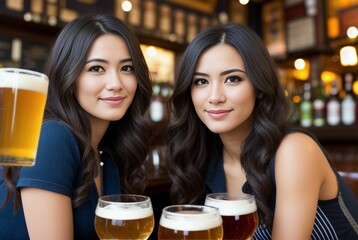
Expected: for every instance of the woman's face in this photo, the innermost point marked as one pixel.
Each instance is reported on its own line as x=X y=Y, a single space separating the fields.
x=107 y=84
x=222 y=93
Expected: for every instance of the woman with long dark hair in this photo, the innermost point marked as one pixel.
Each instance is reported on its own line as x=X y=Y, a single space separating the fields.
x=228 y=132
x=94 y=139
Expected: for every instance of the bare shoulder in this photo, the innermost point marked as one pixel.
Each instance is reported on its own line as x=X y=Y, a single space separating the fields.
x=299 y=153
x=297 y=143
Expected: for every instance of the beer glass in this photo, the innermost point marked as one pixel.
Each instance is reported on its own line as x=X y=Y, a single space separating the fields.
x=22 y=102
x=238 y=211
x=124 y=216
x=190 y=222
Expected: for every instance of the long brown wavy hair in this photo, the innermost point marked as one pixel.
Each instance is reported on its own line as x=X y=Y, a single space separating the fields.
x=127 y=139
x=191 y=145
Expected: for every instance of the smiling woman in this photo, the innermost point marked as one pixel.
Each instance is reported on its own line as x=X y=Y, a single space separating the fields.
x=228 y=97
x=94 y=138
x=106 y=86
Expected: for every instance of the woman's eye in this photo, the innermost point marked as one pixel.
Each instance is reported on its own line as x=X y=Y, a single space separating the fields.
x=233 y=79
x=200 y=81
x=127 y=68
x=96 y=69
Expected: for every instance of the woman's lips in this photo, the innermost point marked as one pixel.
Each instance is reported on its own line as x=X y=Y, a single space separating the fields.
x=113 y=100
x=216 y=114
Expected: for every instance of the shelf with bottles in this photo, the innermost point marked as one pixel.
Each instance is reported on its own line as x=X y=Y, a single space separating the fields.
x=329 y=110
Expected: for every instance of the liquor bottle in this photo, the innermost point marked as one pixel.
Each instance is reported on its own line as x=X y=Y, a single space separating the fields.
x=306 y=107
x=333 y=106
x=319 y=105
x=348 y=103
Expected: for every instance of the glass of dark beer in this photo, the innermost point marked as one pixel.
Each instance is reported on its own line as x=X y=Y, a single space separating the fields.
x=190 y=222
x=124 y=216
x=238 y=211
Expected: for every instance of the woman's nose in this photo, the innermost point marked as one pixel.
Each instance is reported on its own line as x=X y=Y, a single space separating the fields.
x=114 y=81
x=217 y=94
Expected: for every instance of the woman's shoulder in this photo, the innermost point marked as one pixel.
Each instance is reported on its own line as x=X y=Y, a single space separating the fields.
x=57 y=133
x=298 y=140
x=299 y=153
x=56 y=127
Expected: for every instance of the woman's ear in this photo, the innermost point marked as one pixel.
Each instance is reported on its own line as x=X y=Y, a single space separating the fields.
x=259 y=95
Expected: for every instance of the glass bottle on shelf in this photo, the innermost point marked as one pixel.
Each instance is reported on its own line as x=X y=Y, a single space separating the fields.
x=319 y=104
x=333 y=106
x=306 y=106
x=348 y=104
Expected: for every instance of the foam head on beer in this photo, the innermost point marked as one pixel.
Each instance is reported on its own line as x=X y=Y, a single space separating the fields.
x=190 y=222
x=22 y=102
x=238 y=211
x=233 y=207
x=124 y=216
x=123 y=213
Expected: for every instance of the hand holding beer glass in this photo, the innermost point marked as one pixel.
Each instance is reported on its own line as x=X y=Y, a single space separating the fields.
x=22 y=103
x=190 y=222
x=238 y=211
x=124 y=216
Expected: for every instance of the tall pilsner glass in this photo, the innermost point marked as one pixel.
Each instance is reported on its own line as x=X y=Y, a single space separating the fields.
x=124 y=216
x=190 y=222
x=22 y=103
x=238 y=211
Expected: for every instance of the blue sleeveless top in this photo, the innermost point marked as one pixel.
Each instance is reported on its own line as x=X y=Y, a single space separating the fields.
x=335 y=219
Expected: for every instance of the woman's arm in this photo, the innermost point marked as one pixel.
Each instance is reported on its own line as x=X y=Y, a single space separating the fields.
x=48 y=215
x=301 y=170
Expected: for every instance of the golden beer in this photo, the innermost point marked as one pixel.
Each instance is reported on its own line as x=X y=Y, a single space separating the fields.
x=238 y=212
x=190 y=222
x=22 y=103
x=118 y=218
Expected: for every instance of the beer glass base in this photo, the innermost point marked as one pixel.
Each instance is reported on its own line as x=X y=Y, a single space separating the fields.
x=16 y=161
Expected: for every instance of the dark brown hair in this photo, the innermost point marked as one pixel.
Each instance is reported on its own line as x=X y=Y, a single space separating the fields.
x=191 y=145
x=128 y=138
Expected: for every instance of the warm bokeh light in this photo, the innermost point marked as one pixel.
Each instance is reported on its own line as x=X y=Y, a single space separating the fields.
x=151 y=51
x=244 y=2
x=296 y=99
x=126 y=6
x=300 y=64
x=302 y=69
x=352 y=32
x=328 y=76
x=348 y=56
x=355 y=87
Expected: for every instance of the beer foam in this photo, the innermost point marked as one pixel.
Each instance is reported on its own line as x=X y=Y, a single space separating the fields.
x=197 y=222
x=33 y=81
x=233 y=207
x=123 y=213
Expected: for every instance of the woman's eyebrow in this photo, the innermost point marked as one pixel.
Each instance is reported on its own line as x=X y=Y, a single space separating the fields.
x=222 y=73
x=105 y=61
x=231 y=71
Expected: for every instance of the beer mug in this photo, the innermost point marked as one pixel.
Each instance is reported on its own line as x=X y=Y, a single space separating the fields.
x=124 y=216
x=190 y=222
x=22 y=103
x=238 y=211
